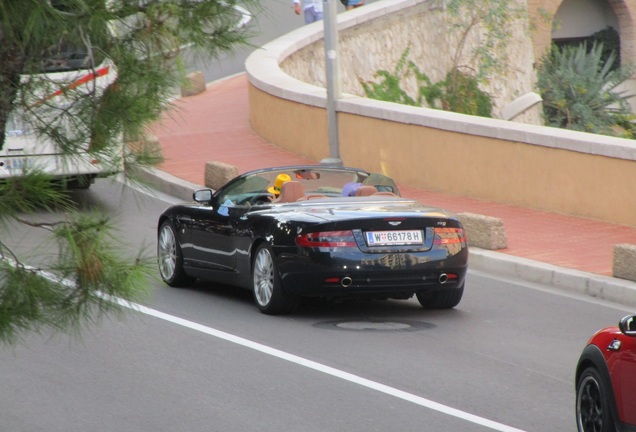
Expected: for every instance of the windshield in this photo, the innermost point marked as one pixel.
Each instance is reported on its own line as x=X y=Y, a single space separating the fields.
x=69 y=57
x=323 y=182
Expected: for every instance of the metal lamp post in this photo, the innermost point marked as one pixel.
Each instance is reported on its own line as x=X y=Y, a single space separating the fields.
x=333 y=79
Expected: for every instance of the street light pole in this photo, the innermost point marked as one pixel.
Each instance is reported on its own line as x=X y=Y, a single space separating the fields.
x=333 y=79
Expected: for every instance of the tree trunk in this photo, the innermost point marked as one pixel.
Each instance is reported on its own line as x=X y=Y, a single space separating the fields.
x=11 y=68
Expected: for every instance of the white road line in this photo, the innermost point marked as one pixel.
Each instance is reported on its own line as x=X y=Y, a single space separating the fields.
x=322 y=368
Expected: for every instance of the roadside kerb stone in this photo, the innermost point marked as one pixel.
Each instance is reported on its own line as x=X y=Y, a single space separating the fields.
x=219 y=173
x=574 y=281
x=484 y=232
x=147 y=144
x=624 y=263
x=168 y=184
x=194 y=85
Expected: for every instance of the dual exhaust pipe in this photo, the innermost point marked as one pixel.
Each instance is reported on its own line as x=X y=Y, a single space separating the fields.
x=346 y=281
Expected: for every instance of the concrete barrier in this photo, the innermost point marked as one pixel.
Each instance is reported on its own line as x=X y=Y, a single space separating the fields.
x=195 y=84
x=484 y=232
x=148 y=144
x=219 y=173
x=624 y=264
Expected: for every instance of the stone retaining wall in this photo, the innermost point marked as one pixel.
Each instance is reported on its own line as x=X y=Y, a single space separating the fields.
x=377 y=41
x=533 y=166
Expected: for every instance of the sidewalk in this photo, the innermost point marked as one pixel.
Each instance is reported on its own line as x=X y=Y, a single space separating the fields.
x=214 y=126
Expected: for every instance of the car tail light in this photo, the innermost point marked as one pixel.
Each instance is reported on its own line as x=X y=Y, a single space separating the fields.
x=327 y=239
x=448 y=236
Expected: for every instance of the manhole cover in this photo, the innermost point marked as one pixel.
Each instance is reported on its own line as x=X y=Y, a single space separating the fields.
x=376 y=325
x=368 y=325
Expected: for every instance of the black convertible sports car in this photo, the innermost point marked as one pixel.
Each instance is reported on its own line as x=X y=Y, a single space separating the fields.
x=290 y=232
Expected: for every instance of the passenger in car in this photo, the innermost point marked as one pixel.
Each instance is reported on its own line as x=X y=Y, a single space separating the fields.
x=349 y=189
x=278 y=184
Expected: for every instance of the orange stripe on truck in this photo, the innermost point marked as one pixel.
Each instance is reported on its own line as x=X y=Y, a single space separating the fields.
x=83 y=80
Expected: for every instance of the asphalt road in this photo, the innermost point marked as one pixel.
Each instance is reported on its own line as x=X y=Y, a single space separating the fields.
x=204 y=359
x=277 y=18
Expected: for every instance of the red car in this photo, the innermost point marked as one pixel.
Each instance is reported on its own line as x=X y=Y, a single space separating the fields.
x=606 y=380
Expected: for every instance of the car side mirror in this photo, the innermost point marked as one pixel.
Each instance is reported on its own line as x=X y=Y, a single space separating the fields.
x=202 y=196
x=627 y=325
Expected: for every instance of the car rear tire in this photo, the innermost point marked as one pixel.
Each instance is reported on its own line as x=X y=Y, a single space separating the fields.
x=593 y=412
x=170 y=258
x=442 y=299
x=266 y=286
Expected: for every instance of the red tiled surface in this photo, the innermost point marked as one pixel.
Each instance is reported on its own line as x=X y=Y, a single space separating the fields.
x=215 y=126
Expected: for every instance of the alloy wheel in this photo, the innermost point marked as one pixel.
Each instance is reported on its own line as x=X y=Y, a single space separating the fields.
x=167 y=252
x=263 y=277
x=589 y=406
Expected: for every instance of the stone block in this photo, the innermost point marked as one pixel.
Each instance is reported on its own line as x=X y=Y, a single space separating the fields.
x=219 y=173
x=484 y=232
x=195 y=84
x=148 y=145
x=624 y=263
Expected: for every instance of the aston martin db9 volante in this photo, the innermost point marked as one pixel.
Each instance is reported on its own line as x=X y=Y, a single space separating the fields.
x=606 y=380
x=314 y=231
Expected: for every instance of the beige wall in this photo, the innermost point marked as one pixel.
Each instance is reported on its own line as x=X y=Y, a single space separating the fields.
x=509 y=162
x=500 y=170
x=493 y=169
x=296 y=127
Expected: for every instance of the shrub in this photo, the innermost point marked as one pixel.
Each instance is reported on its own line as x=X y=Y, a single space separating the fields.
x=458 y=92
x=388 y=88
x=579 y=89
x=463 y=95
x=610 y=39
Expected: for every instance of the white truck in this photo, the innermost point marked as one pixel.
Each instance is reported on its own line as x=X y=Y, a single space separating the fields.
x=25 y=150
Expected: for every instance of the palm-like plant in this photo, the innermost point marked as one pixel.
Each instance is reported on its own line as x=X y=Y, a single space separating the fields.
x=579 y=89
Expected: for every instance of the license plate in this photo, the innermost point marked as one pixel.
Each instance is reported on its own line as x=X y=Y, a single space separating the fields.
x=18 y=164
x=387 y=238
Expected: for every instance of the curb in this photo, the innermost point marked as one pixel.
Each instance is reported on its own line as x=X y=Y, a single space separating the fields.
x=169 y=184
x=575 y=281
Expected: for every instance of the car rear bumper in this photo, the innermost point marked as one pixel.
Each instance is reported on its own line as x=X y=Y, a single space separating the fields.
x=385 y=275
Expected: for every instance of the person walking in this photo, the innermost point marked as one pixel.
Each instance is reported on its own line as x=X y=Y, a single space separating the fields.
x=312 y=10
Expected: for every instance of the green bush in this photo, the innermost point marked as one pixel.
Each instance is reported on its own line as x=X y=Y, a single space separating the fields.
x=578 y=88
x=463 y=95
x=610 y=39
x=388 y=88
x=458 y=92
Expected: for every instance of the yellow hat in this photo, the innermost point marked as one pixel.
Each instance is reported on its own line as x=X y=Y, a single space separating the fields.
x=278 y=183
